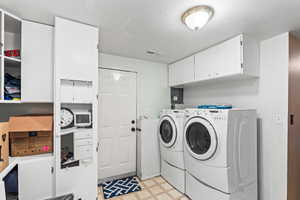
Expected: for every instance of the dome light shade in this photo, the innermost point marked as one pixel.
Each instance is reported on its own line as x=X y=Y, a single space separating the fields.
x=197 y=17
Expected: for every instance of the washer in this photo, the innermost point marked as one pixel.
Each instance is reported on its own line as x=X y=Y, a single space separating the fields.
x=221 y=154
x=170 y=132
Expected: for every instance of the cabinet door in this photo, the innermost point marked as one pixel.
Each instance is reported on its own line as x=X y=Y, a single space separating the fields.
x=230 y=57
x=182 y=72
x=76 y=50
x=37 y=62
x=35 y=179
x=185 y=70
x=221 y=60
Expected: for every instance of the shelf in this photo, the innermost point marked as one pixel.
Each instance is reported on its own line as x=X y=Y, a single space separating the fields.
x=11 y=62
x=10 y=101
x=12 y=59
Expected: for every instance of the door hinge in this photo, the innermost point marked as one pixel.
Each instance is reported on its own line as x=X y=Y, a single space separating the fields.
x=98 y=46
x=52 y=170
x=241 y=42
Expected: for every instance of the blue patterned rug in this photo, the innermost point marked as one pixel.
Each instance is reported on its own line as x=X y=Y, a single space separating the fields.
x=120 y=187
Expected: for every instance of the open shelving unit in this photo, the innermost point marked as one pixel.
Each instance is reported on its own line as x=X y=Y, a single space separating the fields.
x=10 y=39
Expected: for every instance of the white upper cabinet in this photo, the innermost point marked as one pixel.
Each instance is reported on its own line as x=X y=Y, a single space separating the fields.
x=76 y=50
x=181 y=72
x=37 y=62
x=234 y=58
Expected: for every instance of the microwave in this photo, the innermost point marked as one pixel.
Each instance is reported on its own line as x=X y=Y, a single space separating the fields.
x=82 y=119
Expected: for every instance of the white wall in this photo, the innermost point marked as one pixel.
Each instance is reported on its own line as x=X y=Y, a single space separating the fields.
x=269 y=95
x=153 y=91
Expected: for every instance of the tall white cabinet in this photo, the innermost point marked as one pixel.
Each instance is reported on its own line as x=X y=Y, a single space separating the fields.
x=236 y=58
x=75 y=87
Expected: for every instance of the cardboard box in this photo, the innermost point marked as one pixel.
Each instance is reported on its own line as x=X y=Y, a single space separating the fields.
x=4 y=149
x=31 y=135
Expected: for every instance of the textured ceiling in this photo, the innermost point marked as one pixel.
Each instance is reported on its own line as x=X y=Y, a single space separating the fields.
x=132 y=27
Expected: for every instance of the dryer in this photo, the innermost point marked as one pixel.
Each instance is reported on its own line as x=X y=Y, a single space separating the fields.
x=170 y=133
x=221 y=154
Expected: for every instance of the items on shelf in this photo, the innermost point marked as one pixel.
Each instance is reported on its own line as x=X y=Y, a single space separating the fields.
x=77 y=118
x=212 y=106
x=31 y=135
x=4 y=147
x=76 y=135
x=13 y=53
x=12 y=88
x=67 y=151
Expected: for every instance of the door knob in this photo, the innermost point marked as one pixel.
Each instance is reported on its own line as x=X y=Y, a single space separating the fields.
x=133 y=129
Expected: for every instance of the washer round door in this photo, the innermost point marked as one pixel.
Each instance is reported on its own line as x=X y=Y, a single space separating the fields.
x=167 y=131
x=200 y=138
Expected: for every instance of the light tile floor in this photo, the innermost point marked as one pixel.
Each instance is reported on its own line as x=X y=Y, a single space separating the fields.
x=152 y=189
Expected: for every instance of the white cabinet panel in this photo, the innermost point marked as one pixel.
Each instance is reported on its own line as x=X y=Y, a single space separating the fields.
x=35 y=179
x=219 y=61
x=37 y=62
x=185 y=70
x=181 y=72
x=76 y=50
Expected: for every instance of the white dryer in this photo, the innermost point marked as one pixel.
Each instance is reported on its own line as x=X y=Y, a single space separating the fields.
x=170 y=133
x=221 y=154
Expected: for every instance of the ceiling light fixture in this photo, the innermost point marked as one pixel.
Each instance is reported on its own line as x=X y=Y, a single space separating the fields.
x=197 y=17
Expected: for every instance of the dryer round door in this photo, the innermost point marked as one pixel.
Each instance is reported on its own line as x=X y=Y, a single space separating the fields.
x=200 y=138
x=167 y=131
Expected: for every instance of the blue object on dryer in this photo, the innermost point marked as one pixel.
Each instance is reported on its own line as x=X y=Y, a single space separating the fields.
x=215 y=106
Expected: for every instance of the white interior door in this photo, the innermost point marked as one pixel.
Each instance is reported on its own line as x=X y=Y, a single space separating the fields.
x=117 y=118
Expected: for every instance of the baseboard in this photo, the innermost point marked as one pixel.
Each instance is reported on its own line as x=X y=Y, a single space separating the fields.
x=116 y=177
x=148 y=177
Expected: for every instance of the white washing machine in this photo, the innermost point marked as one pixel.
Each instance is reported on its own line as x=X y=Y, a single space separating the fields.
x=221 y=154
x=170 y=132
